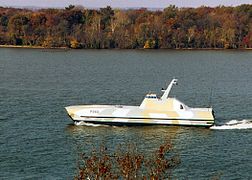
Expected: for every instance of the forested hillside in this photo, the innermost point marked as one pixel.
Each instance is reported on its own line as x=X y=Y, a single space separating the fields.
x=77 y=27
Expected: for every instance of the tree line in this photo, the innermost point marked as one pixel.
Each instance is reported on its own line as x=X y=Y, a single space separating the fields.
x=172 y=27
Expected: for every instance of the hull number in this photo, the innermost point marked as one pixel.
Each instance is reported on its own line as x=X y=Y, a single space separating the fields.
x=94 y=111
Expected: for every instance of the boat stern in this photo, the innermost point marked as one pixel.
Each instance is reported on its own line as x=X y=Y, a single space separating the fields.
x=206 y=114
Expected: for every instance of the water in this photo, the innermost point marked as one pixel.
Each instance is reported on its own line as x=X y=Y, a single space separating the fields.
x=39 y=141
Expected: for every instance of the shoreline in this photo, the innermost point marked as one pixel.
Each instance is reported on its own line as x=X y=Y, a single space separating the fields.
x=67 y=48
x=31 y=47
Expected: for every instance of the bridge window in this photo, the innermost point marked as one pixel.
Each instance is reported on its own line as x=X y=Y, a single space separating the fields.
x=151 y=97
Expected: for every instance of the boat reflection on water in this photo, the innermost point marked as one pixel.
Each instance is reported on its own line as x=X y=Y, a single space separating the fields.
x=146 y=138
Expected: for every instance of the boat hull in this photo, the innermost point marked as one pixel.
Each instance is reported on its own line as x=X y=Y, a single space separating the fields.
x=135 y=115
x=119 y=121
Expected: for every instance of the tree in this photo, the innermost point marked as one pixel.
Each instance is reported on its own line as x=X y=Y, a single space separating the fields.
x=18 y=27
x=106 y=17
x=128 y=163
x=173 y=27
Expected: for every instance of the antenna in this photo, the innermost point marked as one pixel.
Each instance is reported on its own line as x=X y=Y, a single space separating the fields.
x=210 y=98
x=167 y=91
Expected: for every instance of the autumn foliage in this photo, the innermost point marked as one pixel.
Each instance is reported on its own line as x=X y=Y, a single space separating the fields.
x=128 y=163
x=172 y=27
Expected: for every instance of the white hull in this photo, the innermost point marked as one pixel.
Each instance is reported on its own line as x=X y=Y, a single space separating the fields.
x=125 y=121
x=133 y=115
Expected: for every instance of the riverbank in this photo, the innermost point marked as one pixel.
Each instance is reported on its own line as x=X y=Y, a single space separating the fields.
x=31 y=47
x=67 y=48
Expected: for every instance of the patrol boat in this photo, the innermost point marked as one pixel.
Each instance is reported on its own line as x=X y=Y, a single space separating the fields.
x=152 y=111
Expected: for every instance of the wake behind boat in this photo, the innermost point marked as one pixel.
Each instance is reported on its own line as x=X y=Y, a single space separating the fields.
x=152 y=111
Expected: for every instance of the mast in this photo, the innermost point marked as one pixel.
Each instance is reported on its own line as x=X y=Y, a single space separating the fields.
x=167 y=91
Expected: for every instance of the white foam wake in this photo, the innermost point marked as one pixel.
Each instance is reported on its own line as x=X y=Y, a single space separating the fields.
x=82 y=123
x=235 y=124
